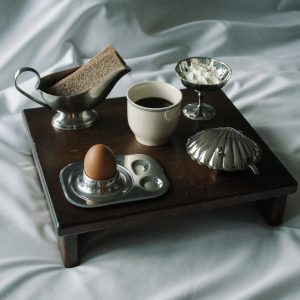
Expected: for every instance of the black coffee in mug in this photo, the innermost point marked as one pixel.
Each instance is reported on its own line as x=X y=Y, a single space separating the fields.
x=154 y=102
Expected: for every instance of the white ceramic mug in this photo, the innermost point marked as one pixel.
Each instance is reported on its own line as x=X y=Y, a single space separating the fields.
x=153 y=126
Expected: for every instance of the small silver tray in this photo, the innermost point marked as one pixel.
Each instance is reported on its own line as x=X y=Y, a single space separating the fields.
x=141 y=175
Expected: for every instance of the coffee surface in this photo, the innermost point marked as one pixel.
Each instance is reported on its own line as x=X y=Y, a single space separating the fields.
x=154 y=102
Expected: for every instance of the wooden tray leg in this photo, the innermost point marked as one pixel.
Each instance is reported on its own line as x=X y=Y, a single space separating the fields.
x=68 y=246
x=273 y=209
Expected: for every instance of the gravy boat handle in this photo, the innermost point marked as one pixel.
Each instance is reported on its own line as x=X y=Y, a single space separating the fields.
x=27 y=69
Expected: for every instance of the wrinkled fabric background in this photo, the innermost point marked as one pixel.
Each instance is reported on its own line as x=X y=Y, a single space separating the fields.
x=228 y=253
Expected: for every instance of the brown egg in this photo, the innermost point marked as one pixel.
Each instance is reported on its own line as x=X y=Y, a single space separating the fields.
x=100 y=162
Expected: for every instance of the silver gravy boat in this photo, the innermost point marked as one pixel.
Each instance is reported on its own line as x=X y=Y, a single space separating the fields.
x=76 y=111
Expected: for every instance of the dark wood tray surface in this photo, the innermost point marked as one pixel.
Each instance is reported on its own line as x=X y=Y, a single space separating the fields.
x=193 y=187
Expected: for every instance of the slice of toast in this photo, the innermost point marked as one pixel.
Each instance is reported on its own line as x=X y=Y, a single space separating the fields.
x=89 y=75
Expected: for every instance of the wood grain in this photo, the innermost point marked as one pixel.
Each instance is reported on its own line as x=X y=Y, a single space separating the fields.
x=193 y=187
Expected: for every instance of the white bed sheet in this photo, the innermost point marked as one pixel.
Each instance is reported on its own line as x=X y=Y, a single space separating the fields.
x=223 y=254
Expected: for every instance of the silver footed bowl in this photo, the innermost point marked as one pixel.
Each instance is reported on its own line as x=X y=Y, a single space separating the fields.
x=224 y=149
x=202 y=74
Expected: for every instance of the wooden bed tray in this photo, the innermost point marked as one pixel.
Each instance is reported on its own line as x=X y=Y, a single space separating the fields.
x=193 y=187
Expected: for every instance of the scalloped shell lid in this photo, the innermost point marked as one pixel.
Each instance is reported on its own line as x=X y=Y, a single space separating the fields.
x=224 y=149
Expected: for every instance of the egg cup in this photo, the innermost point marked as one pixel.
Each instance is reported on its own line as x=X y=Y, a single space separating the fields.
x=138 y=177
x=105 y=189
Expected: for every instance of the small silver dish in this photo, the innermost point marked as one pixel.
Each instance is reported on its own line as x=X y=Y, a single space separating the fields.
x=76 y=111
x=138 y=177
x=184 y=69
x=224 y=149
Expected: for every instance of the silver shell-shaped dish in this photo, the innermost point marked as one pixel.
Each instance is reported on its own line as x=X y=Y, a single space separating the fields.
x=224 y=149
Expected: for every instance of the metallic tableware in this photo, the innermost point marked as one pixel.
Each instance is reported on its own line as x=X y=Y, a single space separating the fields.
x=224 y=149
x=201 y=111
x=139 y=177
x=76 y=111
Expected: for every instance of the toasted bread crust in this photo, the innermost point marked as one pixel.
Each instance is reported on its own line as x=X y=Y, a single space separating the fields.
x=104 y=64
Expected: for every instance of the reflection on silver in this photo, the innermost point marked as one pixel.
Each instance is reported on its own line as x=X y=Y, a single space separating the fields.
x=104 y=189
x=76 y=111
x=224 y=149
x=139 y=177
x=201 y=111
